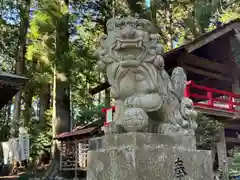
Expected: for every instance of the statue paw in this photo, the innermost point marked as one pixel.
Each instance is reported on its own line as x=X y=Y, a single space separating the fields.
x=169 y=129
x=134 y=119
x=132 y=101
x=148 y=102
x=114 y=128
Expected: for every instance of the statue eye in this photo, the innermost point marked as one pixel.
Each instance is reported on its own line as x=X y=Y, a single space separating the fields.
x=120 y=25
x=110 y=27
x=140 y=26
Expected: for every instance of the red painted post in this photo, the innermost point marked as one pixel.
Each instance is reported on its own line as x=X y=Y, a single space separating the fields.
x=210 y=98
x=187 y=90
x=104 y=110
x=230 y=103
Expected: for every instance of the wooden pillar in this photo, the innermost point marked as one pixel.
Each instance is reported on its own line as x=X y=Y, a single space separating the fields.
x=236 y=84
x=222 y=155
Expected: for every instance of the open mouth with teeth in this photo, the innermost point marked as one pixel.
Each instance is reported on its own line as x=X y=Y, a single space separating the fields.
x=129 y=51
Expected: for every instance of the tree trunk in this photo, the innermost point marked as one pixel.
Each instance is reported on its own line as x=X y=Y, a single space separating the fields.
x=29 y=93
x=99 y=94
x=44 y=102
x=168 y=12
x=153 y=12
x=3 y=113
x=20 y=61
x=9 y=112
x=61 y=119
x=61 y=116
x=107 y=96
x=27 y=114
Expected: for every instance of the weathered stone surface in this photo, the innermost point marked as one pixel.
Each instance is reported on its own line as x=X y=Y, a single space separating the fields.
x=131 y=159
x=140 y=140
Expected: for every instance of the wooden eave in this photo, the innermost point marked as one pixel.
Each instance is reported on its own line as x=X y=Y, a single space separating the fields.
x=12 y=79
x=184 y=56
x=77 y=134
x=9 y=86
x=208 y=37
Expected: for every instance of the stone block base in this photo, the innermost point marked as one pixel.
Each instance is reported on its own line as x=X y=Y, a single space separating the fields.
x=140 y=157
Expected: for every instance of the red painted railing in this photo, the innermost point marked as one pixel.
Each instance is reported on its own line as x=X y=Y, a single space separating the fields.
x=212 y=98
x=205 y=97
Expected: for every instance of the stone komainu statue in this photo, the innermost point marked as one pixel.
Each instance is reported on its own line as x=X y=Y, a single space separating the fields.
x=147 y=99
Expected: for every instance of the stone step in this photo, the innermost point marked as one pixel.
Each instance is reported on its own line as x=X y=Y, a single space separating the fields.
x=9 y=177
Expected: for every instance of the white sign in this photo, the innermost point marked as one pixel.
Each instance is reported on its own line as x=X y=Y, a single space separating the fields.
x=6 y=150
x=16 y=149
x=24 y=146
x=109 y=115
x=11 y=150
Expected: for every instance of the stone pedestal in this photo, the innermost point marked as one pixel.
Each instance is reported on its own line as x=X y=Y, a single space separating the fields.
x=140 y=156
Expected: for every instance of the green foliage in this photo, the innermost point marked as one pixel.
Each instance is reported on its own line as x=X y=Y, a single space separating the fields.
x=40 y=135
x=207 y=131
x=87 y=115
x=4 y=131
x=40 y=139
x=234 y=168
x=5 y=123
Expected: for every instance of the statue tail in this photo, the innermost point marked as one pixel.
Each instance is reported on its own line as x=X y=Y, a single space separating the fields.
x=178 y=80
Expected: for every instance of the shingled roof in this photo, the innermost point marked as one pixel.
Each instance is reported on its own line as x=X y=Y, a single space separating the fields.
x=79 y=132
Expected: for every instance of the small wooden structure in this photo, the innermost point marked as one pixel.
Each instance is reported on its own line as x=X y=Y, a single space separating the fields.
x=74 y=147
x=10 y=84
